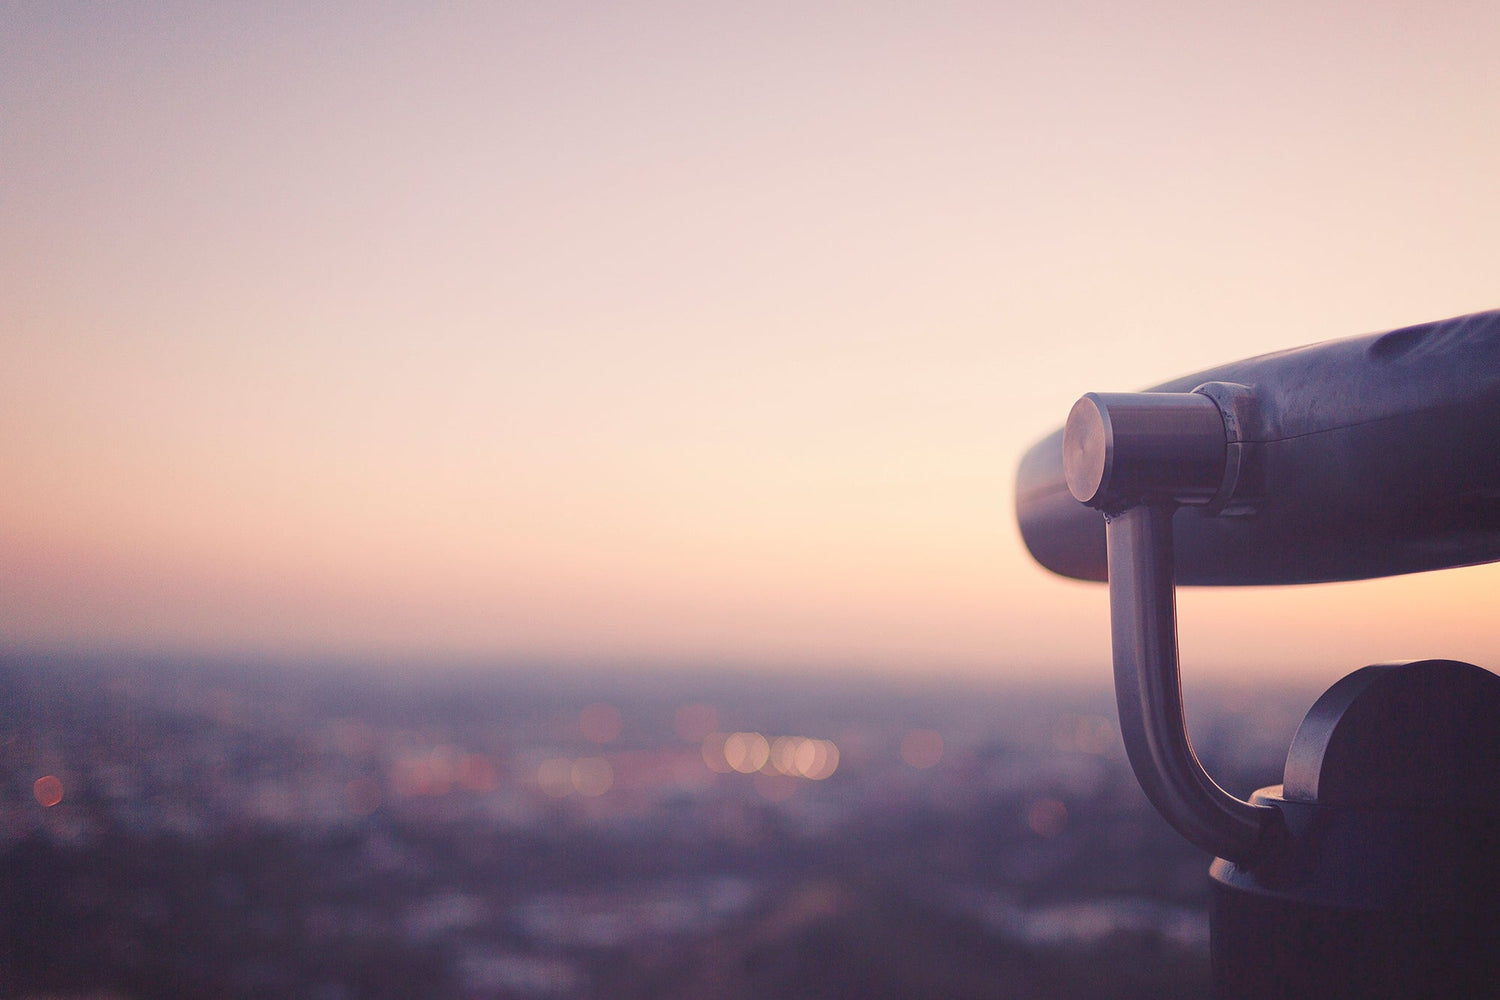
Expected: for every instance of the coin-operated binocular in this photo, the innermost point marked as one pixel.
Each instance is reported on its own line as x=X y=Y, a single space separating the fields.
x=1373 y=870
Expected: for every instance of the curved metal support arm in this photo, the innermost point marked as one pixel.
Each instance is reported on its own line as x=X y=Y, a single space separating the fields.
x=1148 y=690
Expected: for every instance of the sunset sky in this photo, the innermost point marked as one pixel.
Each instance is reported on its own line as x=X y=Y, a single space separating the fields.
x=700 y=334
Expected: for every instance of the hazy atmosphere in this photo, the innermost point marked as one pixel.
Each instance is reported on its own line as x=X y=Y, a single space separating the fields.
x=685 y=334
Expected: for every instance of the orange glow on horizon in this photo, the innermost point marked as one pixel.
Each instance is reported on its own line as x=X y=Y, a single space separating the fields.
x=495 y=341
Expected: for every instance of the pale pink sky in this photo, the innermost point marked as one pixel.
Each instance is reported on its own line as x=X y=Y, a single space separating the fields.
x=688 y=333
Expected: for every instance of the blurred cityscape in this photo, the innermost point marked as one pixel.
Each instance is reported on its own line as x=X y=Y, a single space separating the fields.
x=204 y=830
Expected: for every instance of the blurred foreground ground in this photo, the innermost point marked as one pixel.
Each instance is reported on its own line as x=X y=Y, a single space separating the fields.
x=197 y=830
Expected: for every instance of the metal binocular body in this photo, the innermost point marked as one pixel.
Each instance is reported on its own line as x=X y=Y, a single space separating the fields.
x=1373 y=870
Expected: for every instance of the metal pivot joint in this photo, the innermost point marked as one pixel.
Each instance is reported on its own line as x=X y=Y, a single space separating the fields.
x=1138 y=457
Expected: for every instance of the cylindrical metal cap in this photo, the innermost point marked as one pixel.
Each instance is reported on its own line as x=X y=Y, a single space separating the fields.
x=1120 y=448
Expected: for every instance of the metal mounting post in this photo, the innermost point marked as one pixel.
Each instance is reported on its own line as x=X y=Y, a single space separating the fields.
x=1137 y=457
x=1148 y=691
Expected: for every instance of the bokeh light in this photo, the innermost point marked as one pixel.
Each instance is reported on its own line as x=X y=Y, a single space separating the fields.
x=1047 y=817
x=817 y=759
x=746 y=752
x=783 y=756
x=713 y=753
x=592 y=776
x=1090 y=734
x=48 y=790
x=555 y=777
x=922 y=748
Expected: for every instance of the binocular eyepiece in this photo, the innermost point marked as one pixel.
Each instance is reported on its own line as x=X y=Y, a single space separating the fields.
x=1122 y=448
x=1366 y=457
